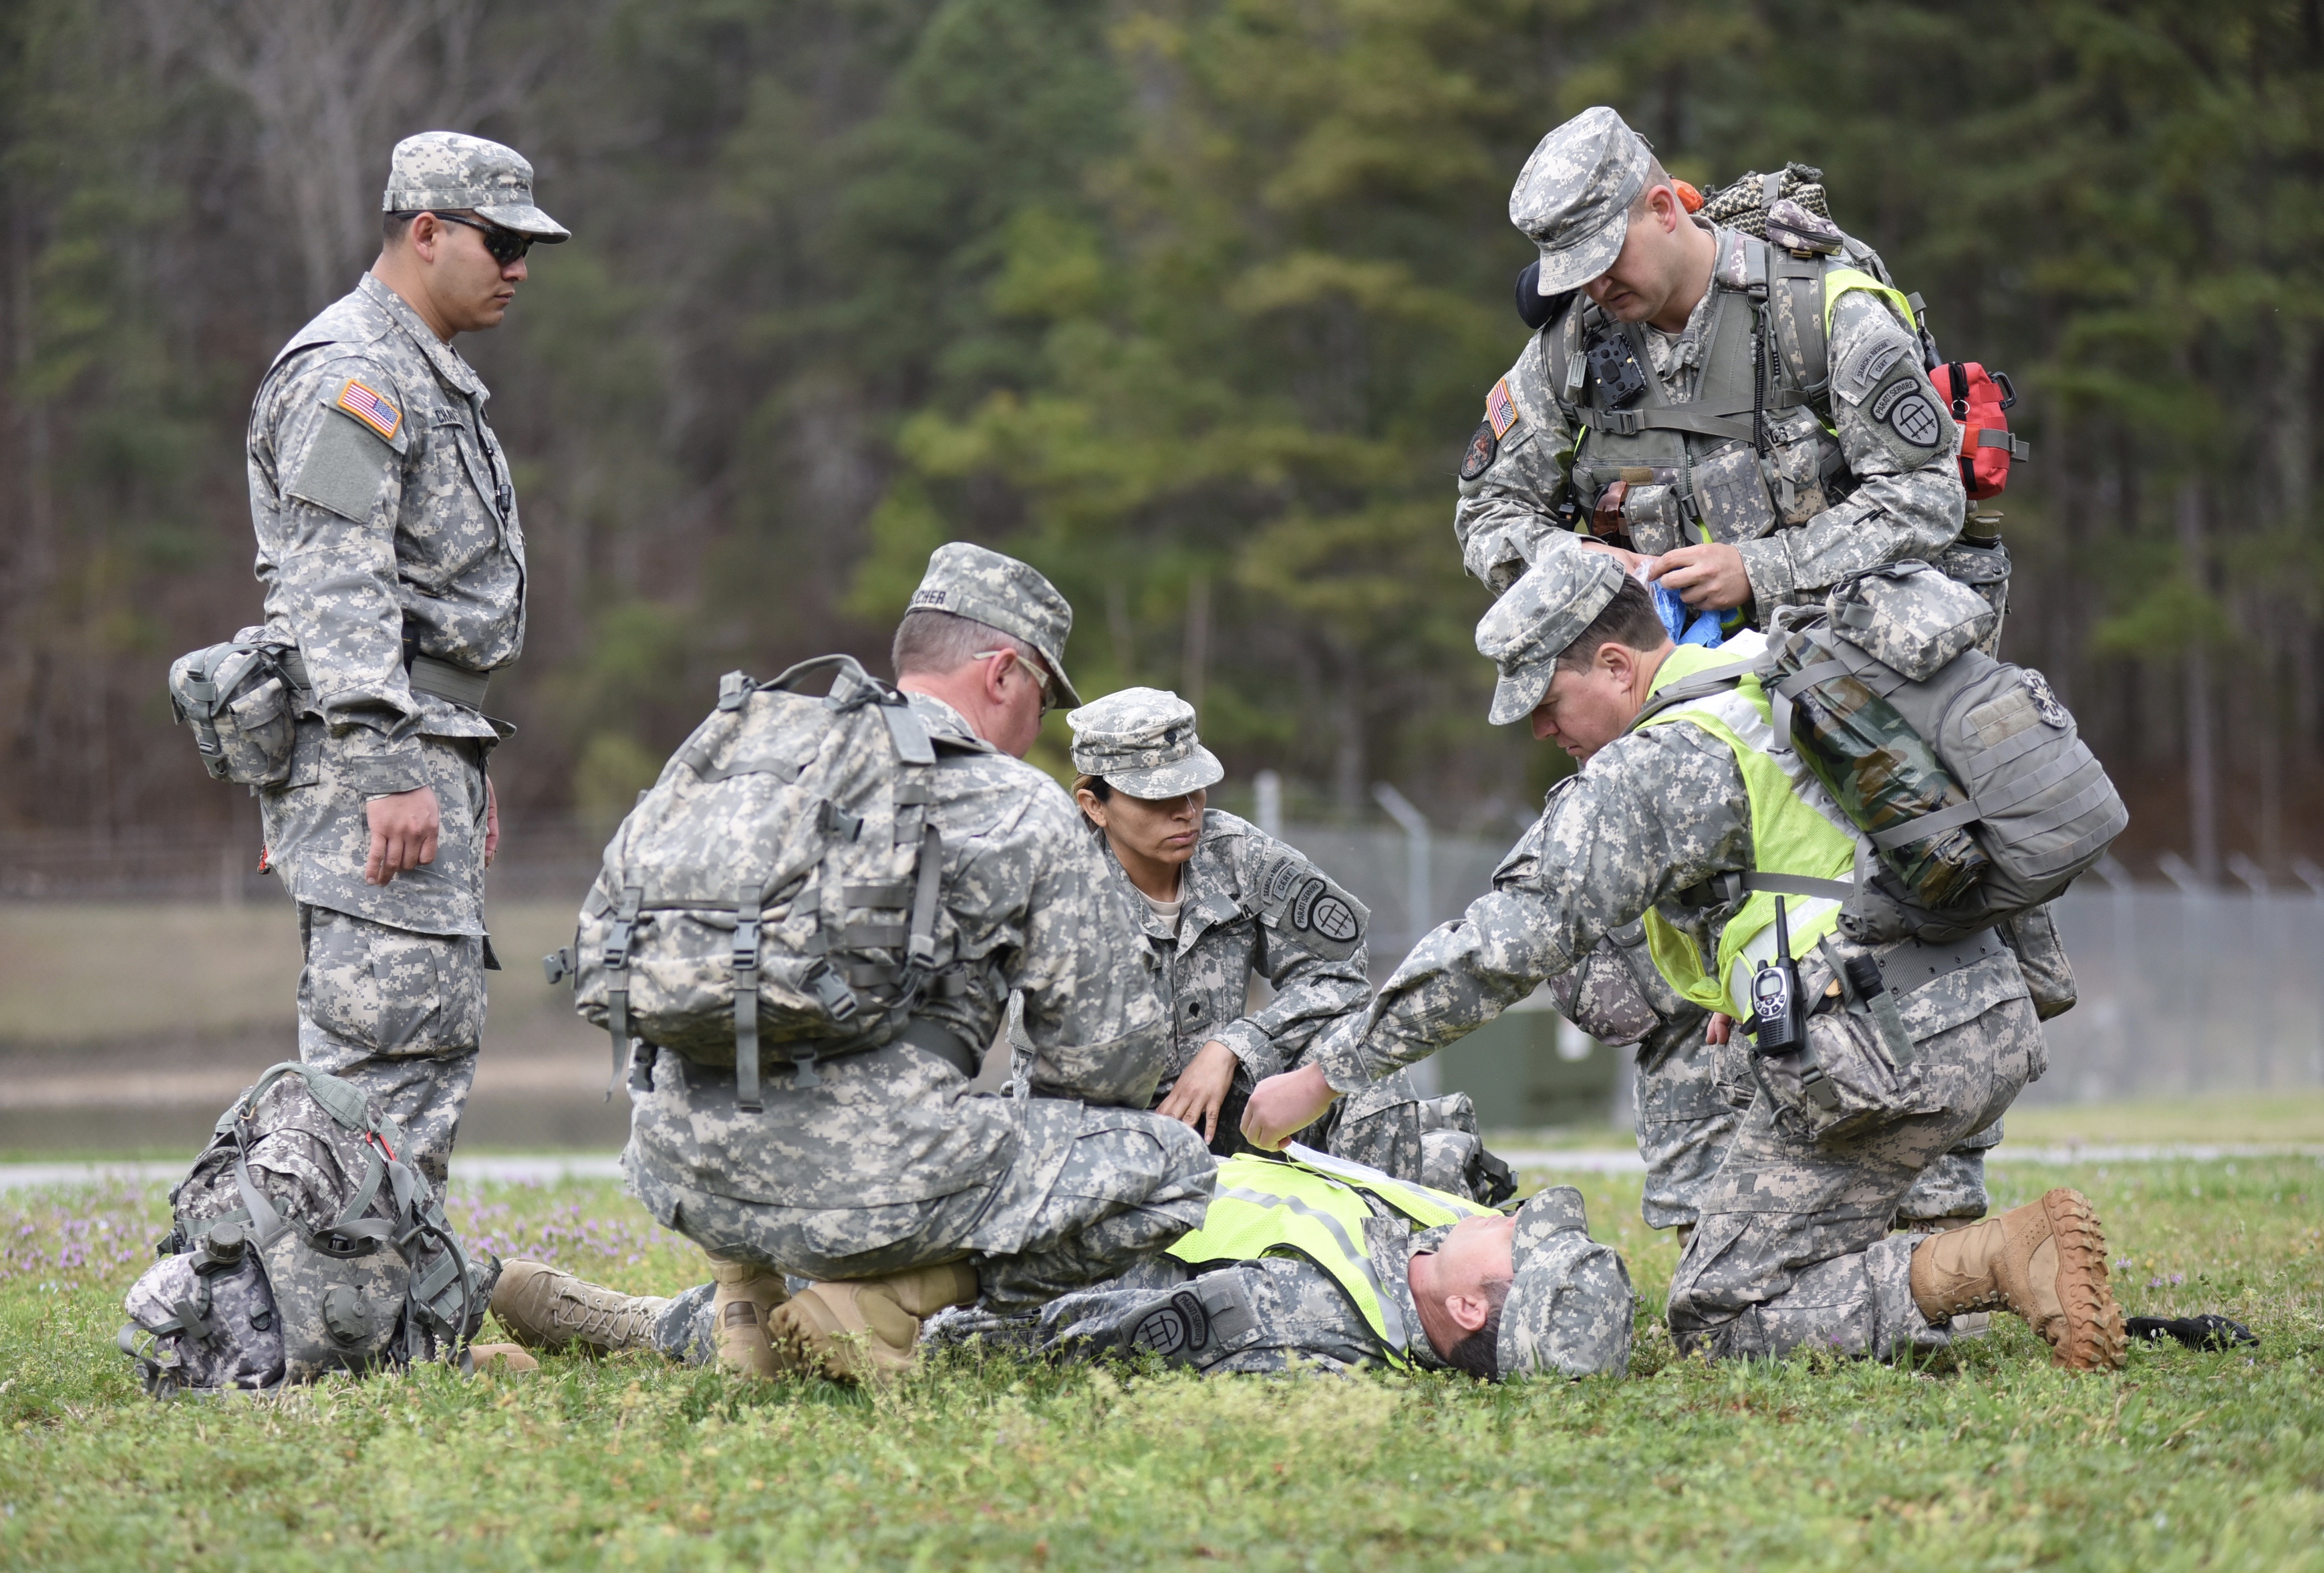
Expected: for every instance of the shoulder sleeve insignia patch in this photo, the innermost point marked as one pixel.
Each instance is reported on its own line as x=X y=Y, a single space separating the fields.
x=1483 y=448
x=1500 y=409
x=366 y=404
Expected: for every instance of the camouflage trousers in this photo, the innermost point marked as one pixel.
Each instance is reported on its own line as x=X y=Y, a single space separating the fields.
x=1687 y=1115
x=1793 y=1245
x=392 y=993
x=401 y=1015
x=1131 y=1182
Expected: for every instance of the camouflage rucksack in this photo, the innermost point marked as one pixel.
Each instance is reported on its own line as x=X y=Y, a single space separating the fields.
x=775 y=891
x=302 y=1244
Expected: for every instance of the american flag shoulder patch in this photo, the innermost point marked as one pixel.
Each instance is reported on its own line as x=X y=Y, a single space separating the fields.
x=1500 y=409
x=365 y=405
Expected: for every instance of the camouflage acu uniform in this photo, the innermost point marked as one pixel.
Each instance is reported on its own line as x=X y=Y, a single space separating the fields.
x=388 y=544
x=1791 y=1245
x=1686 y=1114
x=890 y=1162
x=1248 y=906
x=1569 y=1309
x=1887 y=489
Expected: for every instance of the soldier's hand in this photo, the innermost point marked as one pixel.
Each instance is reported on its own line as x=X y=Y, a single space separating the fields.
x=1709 y=577
x=1283 y=1105
x=1632 y=562
x=405 y=827
x=1720 y=1029
x=1201 y=1088
x=492 y=821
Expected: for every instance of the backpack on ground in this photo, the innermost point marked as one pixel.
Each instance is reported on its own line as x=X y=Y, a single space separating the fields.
x=301 y=1244
x=774 y=894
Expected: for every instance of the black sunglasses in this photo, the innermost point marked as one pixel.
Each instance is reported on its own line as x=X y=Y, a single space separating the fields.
x=505 y=244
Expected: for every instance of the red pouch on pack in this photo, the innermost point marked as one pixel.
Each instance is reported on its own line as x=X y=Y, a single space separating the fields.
x=1978 y=399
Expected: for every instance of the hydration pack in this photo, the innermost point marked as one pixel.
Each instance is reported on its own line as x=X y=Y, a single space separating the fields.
x=241 y=706
x=301 y=1244
x=775 y=892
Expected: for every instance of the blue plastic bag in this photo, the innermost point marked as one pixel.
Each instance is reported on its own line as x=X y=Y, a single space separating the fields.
x=1687 y=625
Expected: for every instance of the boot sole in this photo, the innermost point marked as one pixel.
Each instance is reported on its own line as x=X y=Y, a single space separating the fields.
x=2093 y=1338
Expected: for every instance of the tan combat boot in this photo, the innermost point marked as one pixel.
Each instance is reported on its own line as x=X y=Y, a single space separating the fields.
x=2046 y=1261
x=543 y=1307
x=861 y=1329
x=748 y=1297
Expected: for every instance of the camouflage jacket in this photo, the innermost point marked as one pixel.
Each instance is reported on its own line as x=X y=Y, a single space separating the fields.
x=387 y=526
x=1655 y=813
x=1027 y=907
x=1273 y=1313
x=1906 y=501
x=1250 y=903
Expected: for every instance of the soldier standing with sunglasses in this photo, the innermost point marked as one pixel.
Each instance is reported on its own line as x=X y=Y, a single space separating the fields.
x=389 y=546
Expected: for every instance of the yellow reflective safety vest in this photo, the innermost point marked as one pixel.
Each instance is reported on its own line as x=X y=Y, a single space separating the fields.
x=1310 y=1204
x=1795 y=829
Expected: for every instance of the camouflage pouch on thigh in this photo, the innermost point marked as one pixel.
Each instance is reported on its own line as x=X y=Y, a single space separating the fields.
x=301 y=1244
x=1844 y=1082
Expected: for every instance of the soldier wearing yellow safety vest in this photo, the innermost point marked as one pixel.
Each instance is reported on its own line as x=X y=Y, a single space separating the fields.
x=1688 y=816
x=1305 y=1261
x=1742 y=411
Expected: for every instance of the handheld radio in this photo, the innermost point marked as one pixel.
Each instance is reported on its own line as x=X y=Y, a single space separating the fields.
x=1775 y=996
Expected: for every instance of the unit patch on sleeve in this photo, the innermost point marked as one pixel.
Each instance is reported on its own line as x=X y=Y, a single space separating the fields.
x=366 y=404
x=1483 y=448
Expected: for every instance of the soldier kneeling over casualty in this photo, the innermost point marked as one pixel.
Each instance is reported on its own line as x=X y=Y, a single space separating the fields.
x=1223 y=903
x=1688 y=812
x=811 y=928
x=1312 y=1263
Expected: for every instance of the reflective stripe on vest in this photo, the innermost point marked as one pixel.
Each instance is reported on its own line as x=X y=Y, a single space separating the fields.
x=1270 y=1206
x=1795 y=829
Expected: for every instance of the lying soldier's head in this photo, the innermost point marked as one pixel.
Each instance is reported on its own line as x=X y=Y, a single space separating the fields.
x=1578 y=643
x=1526 y=1294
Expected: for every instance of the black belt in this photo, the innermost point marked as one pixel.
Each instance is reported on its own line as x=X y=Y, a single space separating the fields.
x=944 y=1043
x=426 y=673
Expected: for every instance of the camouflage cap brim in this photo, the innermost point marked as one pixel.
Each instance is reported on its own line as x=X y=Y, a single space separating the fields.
x=1197 y=770
x=527 y=220
x=1519 y=694
x=1571 y=266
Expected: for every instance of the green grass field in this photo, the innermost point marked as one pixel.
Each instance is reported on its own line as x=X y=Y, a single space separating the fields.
x=1987 y=1459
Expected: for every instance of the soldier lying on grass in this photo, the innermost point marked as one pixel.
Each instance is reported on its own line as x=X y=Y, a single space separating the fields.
x=1306 y=1261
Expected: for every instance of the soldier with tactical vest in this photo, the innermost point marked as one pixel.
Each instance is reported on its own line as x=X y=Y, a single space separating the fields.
x=1309 y=1263
x=863 y=1161
x=1744 y=418
x=394 y=569
x=1688 y=816
x=1221 y=903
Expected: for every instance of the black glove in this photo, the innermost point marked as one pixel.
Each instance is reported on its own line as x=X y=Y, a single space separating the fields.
x=2197 y=1332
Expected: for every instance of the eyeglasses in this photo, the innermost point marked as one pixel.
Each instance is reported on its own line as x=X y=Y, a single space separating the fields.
x=1040 y=676
x=505 y=244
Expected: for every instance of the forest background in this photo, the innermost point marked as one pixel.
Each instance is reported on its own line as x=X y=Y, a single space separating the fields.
x=1194 y=303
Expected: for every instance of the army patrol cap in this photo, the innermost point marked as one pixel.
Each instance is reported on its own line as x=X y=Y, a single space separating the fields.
x=1141 y=742
x=1572 y=198
x=443 y=170
x=972 y=582
x=1542 y=614
x=1528 y=1326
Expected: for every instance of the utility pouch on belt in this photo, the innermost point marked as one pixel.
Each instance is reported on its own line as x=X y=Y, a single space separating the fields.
x=238 y=701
